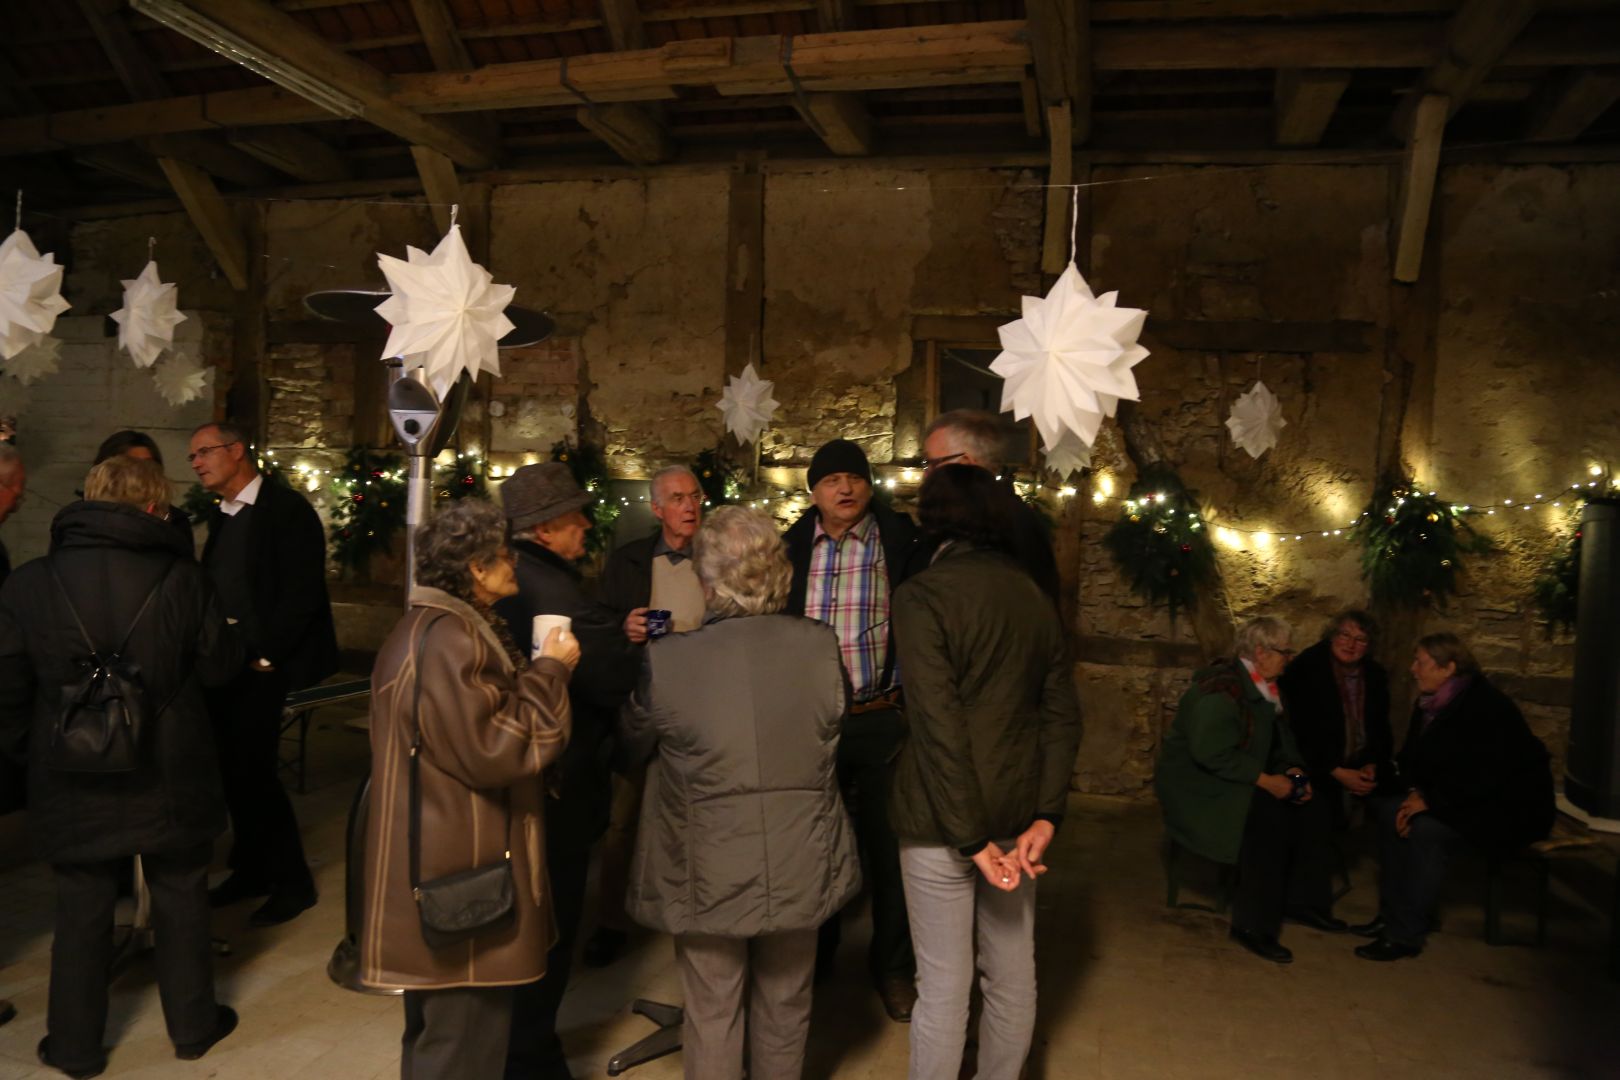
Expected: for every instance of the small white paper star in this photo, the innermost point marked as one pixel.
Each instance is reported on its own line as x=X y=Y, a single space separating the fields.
x=147 y=320
x=1067 y=362
x=35 y=362
x=1256 y=420
x=30 y=294
x=1069 y=456
x=747 y=405
x=446 y=312
x=179 y=379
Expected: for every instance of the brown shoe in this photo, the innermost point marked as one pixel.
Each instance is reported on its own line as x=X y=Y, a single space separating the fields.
x=899 y=997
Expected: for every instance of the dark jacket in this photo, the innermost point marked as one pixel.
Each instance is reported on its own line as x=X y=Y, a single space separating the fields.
x=1224 y=736
x=898 y=534
x=742 y=831
x=1316 y=715
x=287 y=551
x=550 y=585
x=1031 y=549
x=626 y=582
x=994 y=725
x=1481 y=770
x=109 y=556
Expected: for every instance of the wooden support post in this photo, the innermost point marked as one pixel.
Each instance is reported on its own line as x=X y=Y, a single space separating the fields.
x=745 y=265
x=631 y=131
x=1476 y=39
x=1419 y=172
x=841 y=120
x=293 y=151
x=1060 y=42
x=1060 y=174
x=1304 y=101
x=439 y=184
x=212 y=218
x=247 y=399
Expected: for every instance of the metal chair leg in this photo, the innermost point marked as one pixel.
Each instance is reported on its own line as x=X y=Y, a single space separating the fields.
x=666 y=1040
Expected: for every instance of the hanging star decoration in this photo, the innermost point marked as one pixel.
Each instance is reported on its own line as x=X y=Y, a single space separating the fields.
x=30 y=294
x=1256 y=420
x=1067 y=362
x=147 y=320
x=747 y=404
x=35 y=362
x=179 y=379
x=446 y=312
x=1068 y=457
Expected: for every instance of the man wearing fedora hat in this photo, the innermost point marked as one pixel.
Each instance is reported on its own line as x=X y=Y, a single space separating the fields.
x=546 y=509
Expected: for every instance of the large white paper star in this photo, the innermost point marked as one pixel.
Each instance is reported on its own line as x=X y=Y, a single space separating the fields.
x=179 y=379
x=1069 y=456
x=35 y=362
x=747 y=404
x=30 y=294
x=1256 y=419
x=446 y=312
x=147 y=320
x=1067 y=362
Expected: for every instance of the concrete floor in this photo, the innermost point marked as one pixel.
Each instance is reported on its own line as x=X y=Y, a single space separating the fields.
x=1128 y=988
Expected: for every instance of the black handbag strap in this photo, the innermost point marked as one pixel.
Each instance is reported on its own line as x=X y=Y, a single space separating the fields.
x=95 y=654
x=414 y=839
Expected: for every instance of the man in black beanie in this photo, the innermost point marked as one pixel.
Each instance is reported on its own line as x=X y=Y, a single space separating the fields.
x=848 y=555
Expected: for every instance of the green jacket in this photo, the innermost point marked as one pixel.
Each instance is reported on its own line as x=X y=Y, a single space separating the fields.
x=1224 y=736
x=994 y=725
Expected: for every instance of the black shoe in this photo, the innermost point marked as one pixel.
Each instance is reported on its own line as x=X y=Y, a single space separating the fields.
x=282 y=907
x=236 y=888
x=1373 y=929
x=1264 y=947
x=1384 y=950
x=44 y=1052
x=899 y=997
x=225 y=1025
x=8 y=1013
x=1318 y=920
x=604 y=947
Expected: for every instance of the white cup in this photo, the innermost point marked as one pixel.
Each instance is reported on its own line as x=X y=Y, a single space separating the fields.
x=542 y=628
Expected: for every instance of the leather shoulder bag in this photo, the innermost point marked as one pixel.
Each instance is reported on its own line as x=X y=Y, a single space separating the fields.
x=456 y=907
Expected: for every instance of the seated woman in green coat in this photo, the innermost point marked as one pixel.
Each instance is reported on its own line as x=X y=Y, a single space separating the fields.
x=1226 y=779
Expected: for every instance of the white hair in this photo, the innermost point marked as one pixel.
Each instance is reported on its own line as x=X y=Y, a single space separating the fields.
x=657 y=483
x=1264 y=632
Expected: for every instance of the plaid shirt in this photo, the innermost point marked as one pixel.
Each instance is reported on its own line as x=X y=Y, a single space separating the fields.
x=848 y=589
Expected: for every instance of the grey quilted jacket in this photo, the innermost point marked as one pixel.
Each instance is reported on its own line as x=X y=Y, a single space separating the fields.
x=743 y=831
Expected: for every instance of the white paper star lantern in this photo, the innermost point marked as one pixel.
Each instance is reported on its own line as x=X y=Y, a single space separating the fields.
x=1256 y=420
x=1067 y=362
x=35 y=362
x=1069 y=456
x=447 y=313
x=179 y=379
x=147 y=320
x=747 y=405
x=30 y=294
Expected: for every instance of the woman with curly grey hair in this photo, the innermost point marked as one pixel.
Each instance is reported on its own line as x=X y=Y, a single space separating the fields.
x=461 y=726
x=744 y=847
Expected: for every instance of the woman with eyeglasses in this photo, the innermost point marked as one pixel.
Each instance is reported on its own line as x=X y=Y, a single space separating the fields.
x=1232 y=782
x=1337 y=699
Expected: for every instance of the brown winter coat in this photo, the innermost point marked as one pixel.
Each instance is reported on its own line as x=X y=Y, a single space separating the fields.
x=487 y=733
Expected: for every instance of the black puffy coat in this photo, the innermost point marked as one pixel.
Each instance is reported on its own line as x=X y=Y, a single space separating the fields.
x=109 y=556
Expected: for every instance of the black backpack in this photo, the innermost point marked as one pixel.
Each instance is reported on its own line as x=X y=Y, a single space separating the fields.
x=103 y=714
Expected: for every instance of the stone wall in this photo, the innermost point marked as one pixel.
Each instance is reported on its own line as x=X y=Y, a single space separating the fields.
x=1507 y=387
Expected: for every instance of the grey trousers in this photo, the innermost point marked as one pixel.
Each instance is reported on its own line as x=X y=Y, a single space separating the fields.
x=456 y=1034
x=952 y=909
x=760 y=985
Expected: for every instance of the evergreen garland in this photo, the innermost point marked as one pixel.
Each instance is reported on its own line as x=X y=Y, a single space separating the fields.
x=1160 y=541
x=1558 y=586
x=368 y=507
x=718 y=480
x=590 y=473
x=1412 y=546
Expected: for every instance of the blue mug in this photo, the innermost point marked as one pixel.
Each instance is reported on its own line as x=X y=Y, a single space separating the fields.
x=660 y=621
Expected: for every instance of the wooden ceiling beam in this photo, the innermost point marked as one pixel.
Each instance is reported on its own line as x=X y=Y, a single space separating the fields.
x=439 y=34
x=220 y=229
x=1060 y=41
x=124 y=163
x=135 y=68
x=624 y=24
x=839 y=120
x=293 y=151
x=1573 y=103
x=216 y=158
x=1419 y=172
x=631 y=131
x=1305 y=100
x=285 y=38
x=1477 y=37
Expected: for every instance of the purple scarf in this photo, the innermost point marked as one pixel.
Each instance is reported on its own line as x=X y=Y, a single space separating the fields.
x=1431 y=704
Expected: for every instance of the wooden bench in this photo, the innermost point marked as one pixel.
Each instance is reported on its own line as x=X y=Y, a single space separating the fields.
x=1565 y=839
x=295 y=717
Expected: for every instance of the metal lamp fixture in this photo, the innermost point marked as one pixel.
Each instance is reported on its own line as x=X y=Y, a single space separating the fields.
x=177 y=16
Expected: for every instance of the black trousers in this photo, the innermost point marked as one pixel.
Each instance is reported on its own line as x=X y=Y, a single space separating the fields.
x=1278 y=861
x=535 y=1050
x=1310 y=878
x=866 y=753
x=266 y=846
x=82 y=952
x=1411 y=870
x=455 y=1034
